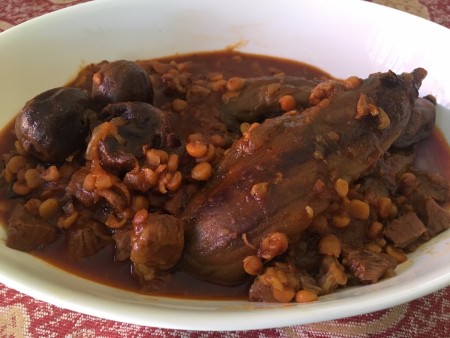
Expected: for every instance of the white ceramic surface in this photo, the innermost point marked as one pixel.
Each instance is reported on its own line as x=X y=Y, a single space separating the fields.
x=342 y=37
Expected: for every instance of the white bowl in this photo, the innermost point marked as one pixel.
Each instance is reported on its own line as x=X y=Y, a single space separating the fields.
x=341 y=37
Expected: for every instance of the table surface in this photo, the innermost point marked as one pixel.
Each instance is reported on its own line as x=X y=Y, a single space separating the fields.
x=23 y=316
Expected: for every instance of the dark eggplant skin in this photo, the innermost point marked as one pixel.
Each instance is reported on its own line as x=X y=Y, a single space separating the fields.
x=299 y=157
x=258 y=99
x=421 y=123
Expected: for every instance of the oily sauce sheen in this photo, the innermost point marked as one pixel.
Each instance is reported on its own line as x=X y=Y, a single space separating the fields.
x=433 y=153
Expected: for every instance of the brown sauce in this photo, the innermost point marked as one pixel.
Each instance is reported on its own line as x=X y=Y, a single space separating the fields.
x=102 y=268
x=433 y=153
x=231 y=63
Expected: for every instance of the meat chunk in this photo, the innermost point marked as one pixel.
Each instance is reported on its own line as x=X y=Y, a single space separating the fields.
x=435 y=217
x=382 y=181
x=156 y=240
x=295 y=156
x=279 y=283
x=366 y=265
x=430 y=184
x=122 y=239
x=54 y=124
x=260 y=291
x=405 y=230
x=28 y=232
x=86 y=238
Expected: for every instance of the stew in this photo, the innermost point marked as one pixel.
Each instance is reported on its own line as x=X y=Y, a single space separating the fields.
x=226 y=175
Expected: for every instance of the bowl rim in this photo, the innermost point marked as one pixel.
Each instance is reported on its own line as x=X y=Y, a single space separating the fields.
x=236 y=313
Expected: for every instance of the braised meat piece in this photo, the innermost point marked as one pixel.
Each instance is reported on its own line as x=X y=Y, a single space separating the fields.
x=122 y=239
x=366 y=265
x=278 y=176
x=156 y=240
x=280 y=283
x=435 y=217
x=261 y=291
x=28 y=232
x=86 y=238
x=418 y=184
x=54 y=124
x=121 y=81
x=405 y=230
x=382 y=181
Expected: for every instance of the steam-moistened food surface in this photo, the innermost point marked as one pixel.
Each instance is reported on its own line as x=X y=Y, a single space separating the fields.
x=226 y=175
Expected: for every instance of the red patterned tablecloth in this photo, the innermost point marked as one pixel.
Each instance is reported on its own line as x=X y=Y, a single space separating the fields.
x=23 y=316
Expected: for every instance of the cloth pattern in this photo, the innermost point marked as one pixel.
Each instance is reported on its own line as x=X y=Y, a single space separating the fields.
x=23 y=316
